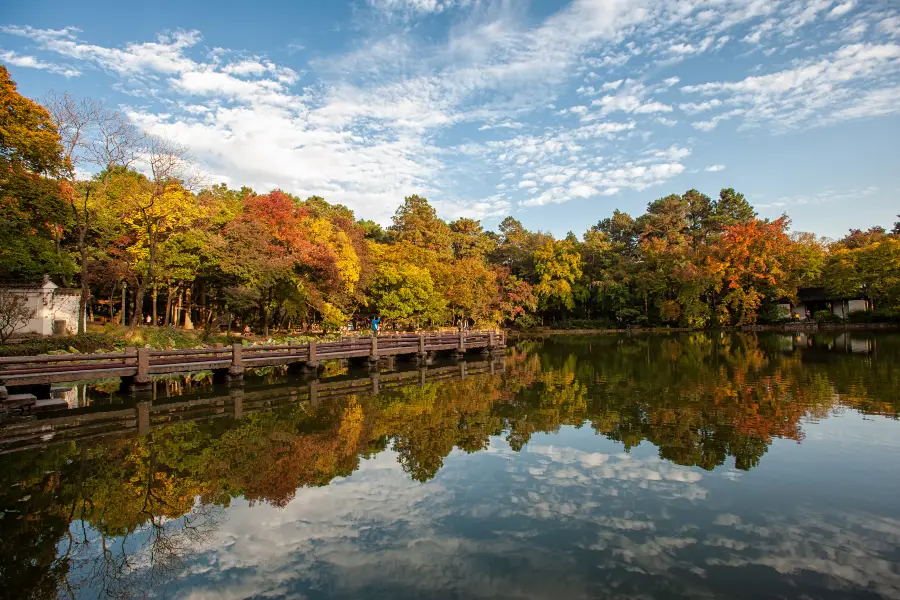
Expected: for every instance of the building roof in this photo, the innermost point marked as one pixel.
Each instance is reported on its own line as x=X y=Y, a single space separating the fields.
x=820 y=294
x=36 y=284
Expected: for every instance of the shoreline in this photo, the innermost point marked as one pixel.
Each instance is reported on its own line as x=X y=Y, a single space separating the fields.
x=786 y=327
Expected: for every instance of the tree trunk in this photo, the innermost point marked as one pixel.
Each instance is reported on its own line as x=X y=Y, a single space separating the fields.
x=124 y=306
x=85 y=288
x=188 y=323
x=137 y=315
x=154 y=295
x=167 y=318
x=202 y=308
x=112 y=295
x=176 y=320
x=137 y=312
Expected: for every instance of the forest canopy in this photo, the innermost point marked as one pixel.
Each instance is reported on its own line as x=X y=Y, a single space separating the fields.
x=143 y=226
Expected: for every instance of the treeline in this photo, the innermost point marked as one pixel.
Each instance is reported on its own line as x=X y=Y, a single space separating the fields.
x=89 y=200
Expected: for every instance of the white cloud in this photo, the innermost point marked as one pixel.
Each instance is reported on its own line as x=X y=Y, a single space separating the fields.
x=612 y=85
x=632 y=99
x=889 y=25
x=694 y=108
x=842 y=9
x=245 y=67
x=813 y=92
x=714 y=168
x=30 y=62
x=416 y=6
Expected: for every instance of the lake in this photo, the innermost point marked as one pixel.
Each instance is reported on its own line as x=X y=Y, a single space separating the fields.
x=681 y=466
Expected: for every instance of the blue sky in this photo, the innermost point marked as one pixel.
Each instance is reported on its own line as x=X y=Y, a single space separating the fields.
x=554 y=112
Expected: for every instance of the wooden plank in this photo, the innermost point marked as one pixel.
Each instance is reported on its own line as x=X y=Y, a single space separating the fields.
x=66 y=376
x=16 y=360
x=187 y=367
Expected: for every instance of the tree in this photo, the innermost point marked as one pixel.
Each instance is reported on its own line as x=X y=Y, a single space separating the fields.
x=32 y=211
x=753 y=260
x=558 y=266
x=156 y=202
x=516 y=247
x=700 y=211
x=416 y=223
x=90 y=136
x=857 y=238
x=373 y=231
x=731 y=209
x=469 y=239
x=514 y=297
x=14 y=313
x=28 y=137
x=409 y=285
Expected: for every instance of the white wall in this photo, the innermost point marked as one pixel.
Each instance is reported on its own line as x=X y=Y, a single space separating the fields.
x=857 y=305
x=35 y=302
x=49 y=304
x=61 y=306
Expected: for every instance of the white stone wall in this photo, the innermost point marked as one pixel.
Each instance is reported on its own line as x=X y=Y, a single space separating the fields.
x=35 y=298
x=49 y=304
x=61 y=307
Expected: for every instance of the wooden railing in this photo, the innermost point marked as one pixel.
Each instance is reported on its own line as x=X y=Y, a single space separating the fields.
x=139 y=364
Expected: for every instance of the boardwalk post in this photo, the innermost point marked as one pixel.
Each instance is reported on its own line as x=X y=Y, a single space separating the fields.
x=236 y=371
x=142 y=379
x=373 y=354
x=491 y=341
x=312 y=362
x=143 y=417
x=462 y=370
x=314 y=392
x=237 y=402
x=375 y=384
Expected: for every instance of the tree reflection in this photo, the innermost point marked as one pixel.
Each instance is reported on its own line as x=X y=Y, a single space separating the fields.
x=120 y=517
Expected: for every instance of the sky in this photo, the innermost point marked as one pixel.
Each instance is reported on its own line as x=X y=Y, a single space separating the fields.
x=555 y=112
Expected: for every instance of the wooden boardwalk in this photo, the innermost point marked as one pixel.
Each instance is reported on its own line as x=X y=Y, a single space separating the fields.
x=143 y=417
x=136 y=366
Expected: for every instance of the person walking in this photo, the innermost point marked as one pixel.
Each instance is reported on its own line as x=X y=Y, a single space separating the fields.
x=376 y=324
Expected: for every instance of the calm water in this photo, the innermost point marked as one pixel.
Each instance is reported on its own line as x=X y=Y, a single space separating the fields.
x=692 y=466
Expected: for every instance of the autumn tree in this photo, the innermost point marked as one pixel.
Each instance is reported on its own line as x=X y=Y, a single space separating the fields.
x=33 y=214
x=91 y=137
x=416 y=222
x=753 y=262
x=558 y=267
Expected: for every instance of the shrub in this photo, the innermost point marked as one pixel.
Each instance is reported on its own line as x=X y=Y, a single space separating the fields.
x=772 y=314
x=826 y=316
x=883 y=315
x=526 y=321
x=86 y=343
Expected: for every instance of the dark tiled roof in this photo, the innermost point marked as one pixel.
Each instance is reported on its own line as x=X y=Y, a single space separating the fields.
x=820 y=294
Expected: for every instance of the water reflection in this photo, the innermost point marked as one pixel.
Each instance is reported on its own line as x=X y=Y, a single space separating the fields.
x=522 y=498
